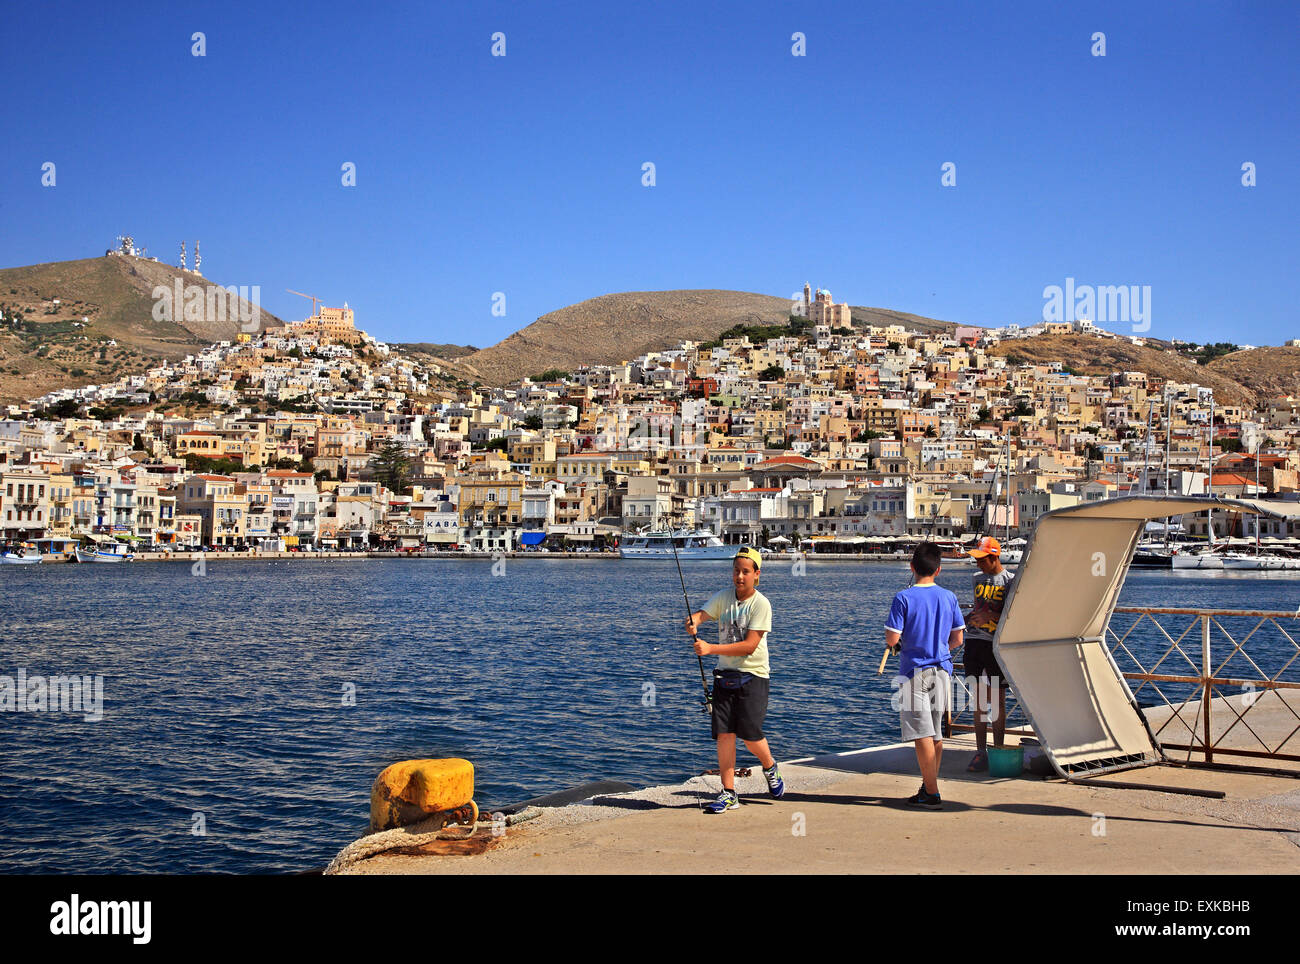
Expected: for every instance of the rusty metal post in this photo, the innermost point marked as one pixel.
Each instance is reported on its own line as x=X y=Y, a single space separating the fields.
x=1205 y=683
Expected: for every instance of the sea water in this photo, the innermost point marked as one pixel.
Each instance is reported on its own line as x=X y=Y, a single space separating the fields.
x=246 y=711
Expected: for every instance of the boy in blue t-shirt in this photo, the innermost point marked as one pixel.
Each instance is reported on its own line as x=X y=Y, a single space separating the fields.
x=925 y=622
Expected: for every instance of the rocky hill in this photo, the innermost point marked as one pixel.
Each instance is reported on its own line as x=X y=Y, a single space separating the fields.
x=618 y=327
x=1268 y=372
x=1089 y=355
x=884 y=317
x=71 y=323
x=437 y=351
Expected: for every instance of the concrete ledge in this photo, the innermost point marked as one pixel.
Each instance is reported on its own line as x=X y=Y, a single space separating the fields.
x=845 y=813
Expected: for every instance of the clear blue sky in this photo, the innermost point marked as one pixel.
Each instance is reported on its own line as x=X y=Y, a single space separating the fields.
x=522 y=174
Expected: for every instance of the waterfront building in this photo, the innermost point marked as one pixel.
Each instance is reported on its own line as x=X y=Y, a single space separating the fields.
x=220 y=508
x=25 y=504
x=648 y=502
x=491 y=503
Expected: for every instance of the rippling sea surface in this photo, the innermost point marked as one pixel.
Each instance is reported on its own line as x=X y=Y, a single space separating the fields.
x=226 y=695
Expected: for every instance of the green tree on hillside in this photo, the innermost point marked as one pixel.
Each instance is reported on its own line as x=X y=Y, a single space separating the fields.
x=393 y=466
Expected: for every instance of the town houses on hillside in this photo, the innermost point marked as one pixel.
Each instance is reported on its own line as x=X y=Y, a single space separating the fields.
x=314 y=434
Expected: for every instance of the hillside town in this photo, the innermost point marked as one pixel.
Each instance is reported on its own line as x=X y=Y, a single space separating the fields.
x=314 y=435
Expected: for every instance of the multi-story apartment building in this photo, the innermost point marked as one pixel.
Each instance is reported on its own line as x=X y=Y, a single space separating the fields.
x=25 y=503
x=220 y=508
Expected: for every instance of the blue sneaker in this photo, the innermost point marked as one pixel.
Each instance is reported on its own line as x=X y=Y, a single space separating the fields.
x=775 y=785
x=930 y=801
x=727 y=800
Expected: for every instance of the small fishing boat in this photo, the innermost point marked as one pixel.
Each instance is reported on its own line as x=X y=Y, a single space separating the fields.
x=108 y=551
x=24 y=555
x=698 y=544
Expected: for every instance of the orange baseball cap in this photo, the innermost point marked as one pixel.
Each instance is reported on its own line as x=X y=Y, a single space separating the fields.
x=988 y=546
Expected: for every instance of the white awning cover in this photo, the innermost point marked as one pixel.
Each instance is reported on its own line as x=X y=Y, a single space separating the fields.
x=1051 y=638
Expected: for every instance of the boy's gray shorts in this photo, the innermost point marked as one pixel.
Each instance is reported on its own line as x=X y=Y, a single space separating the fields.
x=922 y=701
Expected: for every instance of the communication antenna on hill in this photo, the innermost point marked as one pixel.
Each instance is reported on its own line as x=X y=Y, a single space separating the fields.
x=182 y=255
x=198 y=258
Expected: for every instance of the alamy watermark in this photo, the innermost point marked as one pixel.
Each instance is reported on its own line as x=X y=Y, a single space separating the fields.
x=1126 y=304
x=918 y=694
x=53 y=694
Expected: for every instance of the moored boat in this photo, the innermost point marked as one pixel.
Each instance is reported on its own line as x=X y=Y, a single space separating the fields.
x=24 y=555
x=1197 y=560
x=1259 y=563
x=1152 y=555
x=105 y=552
x=699 y=544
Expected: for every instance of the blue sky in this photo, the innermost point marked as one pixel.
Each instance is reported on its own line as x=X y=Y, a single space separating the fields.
x=522 y=174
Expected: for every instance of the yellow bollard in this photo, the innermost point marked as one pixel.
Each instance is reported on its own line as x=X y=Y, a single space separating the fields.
x=415 y=790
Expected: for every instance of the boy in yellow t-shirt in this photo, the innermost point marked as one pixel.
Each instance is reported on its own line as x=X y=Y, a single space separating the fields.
x=740 y=682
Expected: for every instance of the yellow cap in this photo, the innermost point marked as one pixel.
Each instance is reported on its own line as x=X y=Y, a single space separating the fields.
x=752 y=555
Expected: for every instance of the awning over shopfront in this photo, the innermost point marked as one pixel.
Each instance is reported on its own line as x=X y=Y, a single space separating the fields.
x=531 y=538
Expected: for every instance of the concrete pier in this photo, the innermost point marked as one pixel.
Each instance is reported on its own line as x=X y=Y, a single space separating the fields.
x=845 y=813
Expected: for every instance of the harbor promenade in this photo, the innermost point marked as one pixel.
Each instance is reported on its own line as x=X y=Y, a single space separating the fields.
x=845 y=814
x=192 y=556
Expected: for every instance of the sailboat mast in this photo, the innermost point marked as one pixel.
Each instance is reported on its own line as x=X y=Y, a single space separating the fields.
x=1169 y=431
x=1006 y=524
x=1209 y=474
x=1146 y=444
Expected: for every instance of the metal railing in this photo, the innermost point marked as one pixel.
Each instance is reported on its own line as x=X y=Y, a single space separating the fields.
x=965 y=700
x=1218 y=692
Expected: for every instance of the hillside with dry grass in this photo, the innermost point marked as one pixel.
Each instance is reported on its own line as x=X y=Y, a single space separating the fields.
x=63 y=318
x=1088 y=355
x=1268 y=372
x=884 y=317
x=617 y=327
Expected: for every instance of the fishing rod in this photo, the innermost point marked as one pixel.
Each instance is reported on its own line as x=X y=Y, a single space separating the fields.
x=708 y=701
x=708 y=697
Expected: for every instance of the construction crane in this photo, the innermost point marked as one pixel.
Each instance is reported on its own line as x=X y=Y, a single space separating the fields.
x=313 y=298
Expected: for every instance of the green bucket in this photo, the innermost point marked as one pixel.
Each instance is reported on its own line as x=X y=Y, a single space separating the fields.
x=1006 y=761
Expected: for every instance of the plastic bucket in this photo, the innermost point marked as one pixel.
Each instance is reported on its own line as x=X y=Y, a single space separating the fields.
x=1006 y=761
